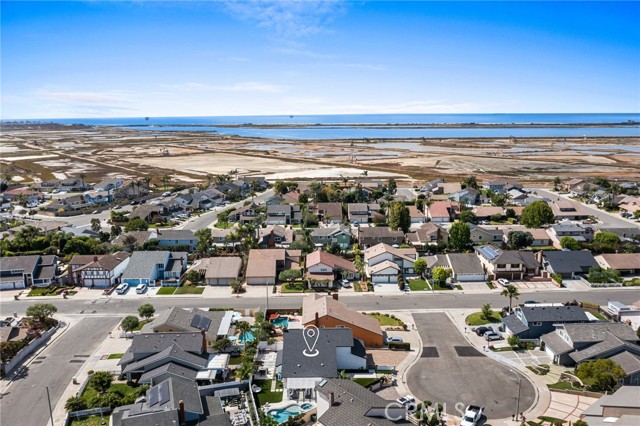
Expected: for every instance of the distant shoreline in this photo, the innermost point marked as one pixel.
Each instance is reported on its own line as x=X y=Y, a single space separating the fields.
x=396 y=125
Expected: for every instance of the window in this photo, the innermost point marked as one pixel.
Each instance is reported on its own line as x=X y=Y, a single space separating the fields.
x=501 y=266
x=479 y=237
x=536 y=324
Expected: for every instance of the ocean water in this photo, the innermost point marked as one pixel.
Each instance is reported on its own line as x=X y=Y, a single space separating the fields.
x=210 y=124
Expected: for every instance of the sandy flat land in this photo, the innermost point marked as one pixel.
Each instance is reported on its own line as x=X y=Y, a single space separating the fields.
x=190 y=156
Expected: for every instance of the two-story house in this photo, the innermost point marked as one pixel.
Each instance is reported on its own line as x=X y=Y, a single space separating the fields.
x=579 y=232
x=330 y=213
x=532 y=322
x=384 y=263
x=369 y=236
x=98 y=197
x=283 y=214
x=340 y=235
x=24 y=271
x=264 y=265
x=501 y=186
x=275 y=236
x=428 y=234
x=323 y=268
x=244 y=214
x=483 y=235
x=155 y=268
x=109 y=184
x=509 y=264
x=176 y=239
x=443 y=211
x=567 y=264
x=103 y=271
x=358 y=212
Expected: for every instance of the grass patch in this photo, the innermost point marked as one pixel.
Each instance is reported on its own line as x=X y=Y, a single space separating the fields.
x=296 y=287
x=491 y=285
x=166 y=291
x=505 y=349
x=418 y=285
x=552 y=420
x=564 y=385
x=387 y=320
x=189 y=290
x=223 y=225
x=91 y=421
x=477 y=319
x=90 y=395
x=235 y=359
x=115 y=356
x=538 y=370
x=459 y=287
x=44 y=291
x=439 y=286
x=265 y=395
x=141 y=324
x=366 y=381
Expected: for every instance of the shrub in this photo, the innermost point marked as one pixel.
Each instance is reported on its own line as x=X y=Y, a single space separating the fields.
x=101 y=381
x=399 y=346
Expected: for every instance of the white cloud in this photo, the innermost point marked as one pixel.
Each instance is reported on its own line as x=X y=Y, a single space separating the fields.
x=248 y=86
x=288 y=18
x=88 y=97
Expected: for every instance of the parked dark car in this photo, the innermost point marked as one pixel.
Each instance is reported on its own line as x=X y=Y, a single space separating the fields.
x=481 y=330
x=135 y=202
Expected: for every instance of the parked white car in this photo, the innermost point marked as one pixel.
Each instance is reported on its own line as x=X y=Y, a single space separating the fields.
x=503 y=282
x=406 y=400
x=141 y=288
x=472 y=414
x=122 y=288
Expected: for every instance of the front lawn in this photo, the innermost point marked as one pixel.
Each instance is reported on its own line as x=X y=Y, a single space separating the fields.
x=387 y=320
x=477 y=319
x=115 y=356
x=92 y=398
x=141 y=324
x=440 y=286
x=166 y=291
x=418 y=285
x=235 y=359
x=91 y=421
x=189 y=290
x=265 y=395
x=45 y=291
x=295 y=287
x=366 y=381
x=564 y=385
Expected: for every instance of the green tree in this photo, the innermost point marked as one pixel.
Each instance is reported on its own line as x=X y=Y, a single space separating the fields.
x=440 y=274
x=101 y=381
x=467 y=216
x=391 y=186
x=519 y=239
x=194 y=277
x=281 y=187
x=129 y=323
x=510 y=213
x=75 y=403
x=41 y=311
x=569 y=243
x=399 y=217
x=556 y=183
x=580 y=422
x=146 y=311
x=605 y=241
x=236 y=287
x=116 y=231
x=486 y=311
x=601 y=375
x=470 y=182
x=95 y=225
x=243 y=329
x=420 y=266
x=536 y=215
x=136 y=224
x=222 y=345
x=513 y=341
x=290 y=275
x=205 y=240
x=511 y=293
x=459 y=236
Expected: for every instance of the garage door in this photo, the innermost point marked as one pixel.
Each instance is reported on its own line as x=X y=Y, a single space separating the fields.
x=6 y=286
x=98 y=282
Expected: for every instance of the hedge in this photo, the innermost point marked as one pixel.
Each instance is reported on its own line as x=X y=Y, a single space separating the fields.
x=400 y=346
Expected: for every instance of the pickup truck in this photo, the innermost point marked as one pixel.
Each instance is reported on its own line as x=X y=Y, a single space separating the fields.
x=472 y=415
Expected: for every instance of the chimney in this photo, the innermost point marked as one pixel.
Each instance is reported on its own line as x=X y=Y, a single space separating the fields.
x=335 y=296
x=331 y=399
x=204 y=341
x=95 y=258
x=317 y=322
x=181 y=416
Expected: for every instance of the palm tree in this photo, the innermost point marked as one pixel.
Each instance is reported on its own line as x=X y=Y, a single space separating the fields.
x=243 y=328
x=512 y=293
x=132 y=185
x=209 y=178
x=365 y=173
x=165 y=180
x=147 y=181
x=82 y=176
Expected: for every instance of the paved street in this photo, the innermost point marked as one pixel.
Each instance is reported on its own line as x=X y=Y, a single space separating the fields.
x=607 y=219
x=452 y=371
x=25 y=402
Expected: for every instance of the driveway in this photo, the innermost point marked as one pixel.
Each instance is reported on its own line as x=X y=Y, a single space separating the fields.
x=452 y=371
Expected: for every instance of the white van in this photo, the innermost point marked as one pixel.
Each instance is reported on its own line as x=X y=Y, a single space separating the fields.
x=122 y=288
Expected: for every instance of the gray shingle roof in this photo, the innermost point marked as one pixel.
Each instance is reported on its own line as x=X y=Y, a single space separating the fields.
x=514 y=324
x=176 y=234
x=296 y=364
x=569 y=313
x=628 y=361
x=215 y=414
x=143 y=263
x=600 y=349
x=566 y=262
x=596 y=332
x=169 y=368
x=157 y=342
x=173 y=352
x=465 y=263
x=181 y=318
x=556 y=343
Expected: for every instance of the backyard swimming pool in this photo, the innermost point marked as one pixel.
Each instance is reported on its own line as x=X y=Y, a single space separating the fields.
x=280 y=322
x=281 y=415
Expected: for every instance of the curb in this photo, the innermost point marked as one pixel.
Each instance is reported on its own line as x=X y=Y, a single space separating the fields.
x=415 y=360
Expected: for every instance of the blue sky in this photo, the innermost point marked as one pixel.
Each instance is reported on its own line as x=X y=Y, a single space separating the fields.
x=130 y=59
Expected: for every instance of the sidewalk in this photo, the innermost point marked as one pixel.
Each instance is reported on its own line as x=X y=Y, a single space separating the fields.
x=98 y=361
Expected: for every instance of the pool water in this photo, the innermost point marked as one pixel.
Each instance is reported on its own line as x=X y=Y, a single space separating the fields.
x=306 y=406
x=281 y=322
x=246 y=337
x=281 y=415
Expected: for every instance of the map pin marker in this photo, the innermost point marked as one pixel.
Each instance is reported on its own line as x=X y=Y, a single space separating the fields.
x=310 y=335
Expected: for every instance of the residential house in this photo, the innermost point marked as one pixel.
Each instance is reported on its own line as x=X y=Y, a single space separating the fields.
x=338 y=234
x=567 y=264
x=109 y=184
x=534 y=321
x=570 y=344
x=466 y=267
x=630 y=204
x=427 y=234
x=131 y=188
x=358 y=212
x=509 y=264
x=330 y=213
x=98 y=197
x=292 y=197
x=49 y=185
x=264 y=265
x=219 y=270
x=628 y=314
x=327 y=312
x=624 y=263
x=370 y=236
x=443 y=211
x=155 y=268
x=70 y=203
x=431 y=185
x=501 y=186
x=486 y=213
x=384 y=263
x=275 y=236
x=30 y=197
x=216 y=324
x=579 y=232
x=283 y=214
x=198 y=200
x=323 y=268
x=568 y=209
x=540 y=236
x=416 y=215
x=345 y=402
x=244 y=214
x=103 y=271
x=447 y=188
x=336 y=349
x=24 y=271
x=487 y=234
x=149 y=212
x=516 y=194
x=140 y=238
x=573 y=185
x=618 y=409
x=221 y=237
x=467 y=196
x=625 y=233
x=176 y=239
x=73 y=184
